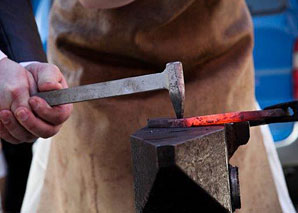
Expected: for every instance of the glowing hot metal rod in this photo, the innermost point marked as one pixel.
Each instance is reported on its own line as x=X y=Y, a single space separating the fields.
x=285 y=112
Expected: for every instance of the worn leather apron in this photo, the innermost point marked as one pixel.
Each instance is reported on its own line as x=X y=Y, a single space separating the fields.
x=89 y=167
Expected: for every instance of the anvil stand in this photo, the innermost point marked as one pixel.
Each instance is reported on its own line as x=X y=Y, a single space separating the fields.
x=187 y=170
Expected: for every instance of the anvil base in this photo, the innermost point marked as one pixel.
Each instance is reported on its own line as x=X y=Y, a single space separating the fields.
x=186 y=169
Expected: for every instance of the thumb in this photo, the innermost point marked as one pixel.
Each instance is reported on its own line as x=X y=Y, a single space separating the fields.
x=47 y=76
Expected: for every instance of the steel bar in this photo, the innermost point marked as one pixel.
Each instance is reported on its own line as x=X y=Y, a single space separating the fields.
x=217 y=119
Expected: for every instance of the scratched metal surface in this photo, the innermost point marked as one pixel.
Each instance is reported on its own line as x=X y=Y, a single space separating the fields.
x=106 y=89
x=201 y=153
x=171 y=79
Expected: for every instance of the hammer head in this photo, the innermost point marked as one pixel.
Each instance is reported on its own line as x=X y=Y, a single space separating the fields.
x=176 y=87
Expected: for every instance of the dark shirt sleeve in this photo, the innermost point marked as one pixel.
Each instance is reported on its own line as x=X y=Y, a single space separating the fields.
x=20 y=41
x=19 y=38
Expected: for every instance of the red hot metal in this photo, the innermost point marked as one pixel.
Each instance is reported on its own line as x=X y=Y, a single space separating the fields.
x=258 y=116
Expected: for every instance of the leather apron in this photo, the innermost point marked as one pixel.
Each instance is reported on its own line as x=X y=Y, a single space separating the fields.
x=89 y=166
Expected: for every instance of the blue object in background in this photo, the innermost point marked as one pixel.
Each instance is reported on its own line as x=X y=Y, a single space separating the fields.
x=276 y=30
x=41 y=9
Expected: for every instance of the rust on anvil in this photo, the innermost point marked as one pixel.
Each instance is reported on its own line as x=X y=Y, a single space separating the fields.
x=217 y=119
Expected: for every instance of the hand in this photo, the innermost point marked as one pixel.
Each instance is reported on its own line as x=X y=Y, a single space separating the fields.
x=24 y=118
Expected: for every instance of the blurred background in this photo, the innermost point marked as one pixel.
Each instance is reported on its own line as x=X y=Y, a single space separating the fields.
x=276 y=69
x=276 y=73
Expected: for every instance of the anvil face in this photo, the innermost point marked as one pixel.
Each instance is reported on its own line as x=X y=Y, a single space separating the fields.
x=182 y=169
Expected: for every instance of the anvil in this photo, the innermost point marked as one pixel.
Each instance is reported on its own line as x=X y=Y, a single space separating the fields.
x=187 y=169
x=182 y=165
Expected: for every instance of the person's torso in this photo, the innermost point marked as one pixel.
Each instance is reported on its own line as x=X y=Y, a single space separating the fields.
x=212 y=39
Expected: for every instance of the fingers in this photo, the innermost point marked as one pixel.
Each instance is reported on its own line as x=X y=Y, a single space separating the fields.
x=32 y=84
x=23 y=125
x=13 y=85
x=4 y=134
x=18 y=123
x=47 y=76
x=35 y=125
x=20 y=97
x=14 y=128
x=54 y=115
x=14 y=94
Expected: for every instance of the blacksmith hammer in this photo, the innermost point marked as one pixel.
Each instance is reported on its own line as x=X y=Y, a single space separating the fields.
x=171 y=79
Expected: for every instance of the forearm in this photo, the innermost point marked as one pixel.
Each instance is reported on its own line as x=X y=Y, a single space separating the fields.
x=19 y=38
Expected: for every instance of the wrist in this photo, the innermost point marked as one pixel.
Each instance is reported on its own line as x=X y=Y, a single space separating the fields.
x=2 y=55
x=27 y=63
x=4 y=61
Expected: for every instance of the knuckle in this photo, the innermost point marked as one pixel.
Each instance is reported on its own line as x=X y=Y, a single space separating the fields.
x=54 y=68
x=15 y=91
